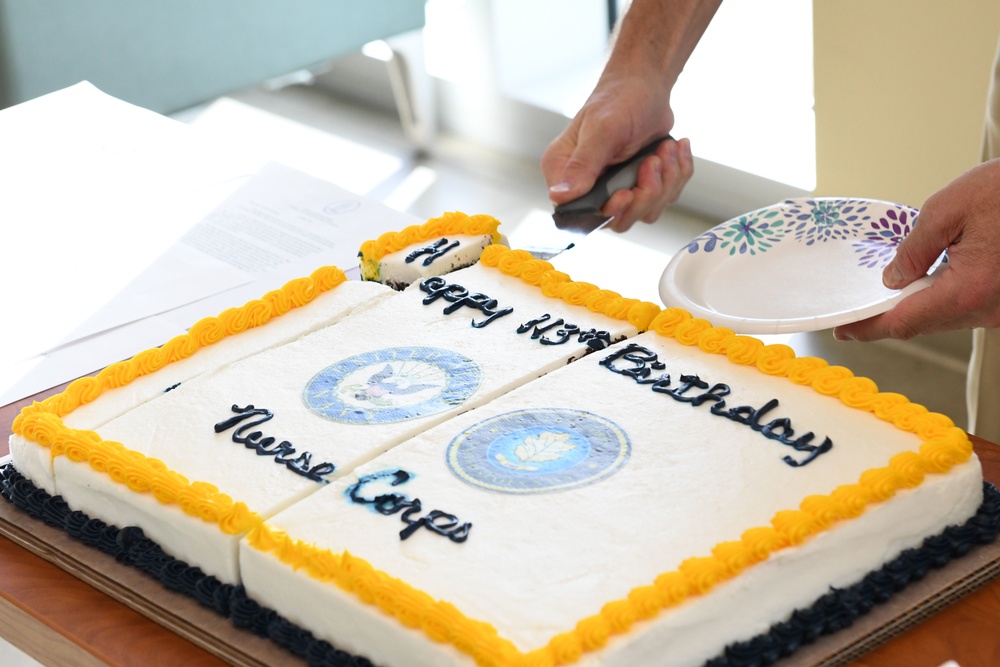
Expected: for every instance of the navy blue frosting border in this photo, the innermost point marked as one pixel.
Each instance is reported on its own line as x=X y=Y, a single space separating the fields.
x=835 y=611
x=839 y=608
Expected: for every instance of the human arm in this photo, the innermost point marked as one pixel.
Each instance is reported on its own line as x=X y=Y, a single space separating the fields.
x=964 y=218
x=629 y=107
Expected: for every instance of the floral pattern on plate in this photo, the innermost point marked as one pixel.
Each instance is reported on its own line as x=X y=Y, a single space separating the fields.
x=811 y=222
x=880 y=241
x=823 y=220
x=751 y=233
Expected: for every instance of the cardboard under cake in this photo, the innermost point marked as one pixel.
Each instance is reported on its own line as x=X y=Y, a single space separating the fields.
x=217 y=635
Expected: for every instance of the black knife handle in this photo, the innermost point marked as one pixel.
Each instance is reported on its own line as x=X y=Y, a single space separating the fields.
x=620 y=176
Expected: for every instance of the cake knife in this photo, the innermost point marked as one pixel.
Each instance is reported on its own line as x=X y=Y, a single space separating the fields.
x=582 y=216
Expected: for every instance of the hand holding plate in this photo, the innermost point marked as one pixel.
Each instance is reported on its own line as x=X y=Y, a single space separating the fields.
x=964 y=218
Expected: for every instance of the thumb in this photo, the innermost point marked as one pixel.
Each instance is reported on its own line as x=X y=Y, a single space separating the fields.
x=588 y=158
x=918 y=251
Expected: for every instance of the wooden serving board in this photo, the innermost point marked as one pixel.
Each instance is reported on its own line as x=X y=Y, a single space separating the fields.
x=215 y=634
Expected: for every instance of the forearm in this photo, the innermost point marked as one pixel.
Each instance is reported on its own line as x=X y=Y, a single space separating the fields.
x=656 y=37
x=630 y=106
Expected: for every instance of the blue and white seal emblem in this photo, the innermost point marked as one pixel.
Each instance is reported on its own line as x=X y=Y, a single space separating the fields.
x=538 y=450
x=392 y=385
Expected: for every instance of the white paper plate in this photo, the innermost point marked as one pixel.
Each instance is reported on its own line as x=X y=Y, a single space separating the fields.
x=801 y=265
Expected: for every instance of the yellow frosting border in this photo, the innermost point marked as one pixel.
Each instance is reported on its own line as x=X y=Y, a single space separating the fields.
x=455 y=222
x=558 y=285
x=944 y=446
x=41 y=422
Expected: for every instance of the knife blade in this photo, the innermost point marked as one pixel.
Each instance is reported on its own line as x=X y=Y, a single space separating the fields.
x=582 y=216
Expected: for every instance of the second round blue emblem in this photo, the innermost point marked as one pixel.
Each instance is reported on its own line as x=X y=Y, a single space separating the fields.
x=539 y=450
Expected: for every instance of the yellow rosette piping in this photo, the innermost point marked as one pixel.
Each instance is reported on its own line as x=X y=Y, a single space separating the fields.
x=451 y=223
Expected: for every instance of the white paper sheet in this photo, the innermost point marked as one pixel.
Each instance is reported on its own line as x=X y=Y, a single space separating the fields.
x=94 y=191
x=282 y=216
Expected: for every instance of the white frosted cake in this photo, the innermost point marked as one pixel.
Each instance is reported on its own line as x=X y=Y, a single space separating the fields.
x=495 y=466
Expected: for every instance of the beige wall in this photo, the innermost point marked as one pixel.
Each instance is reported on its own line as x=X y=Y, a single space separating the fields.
x=900 y=92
